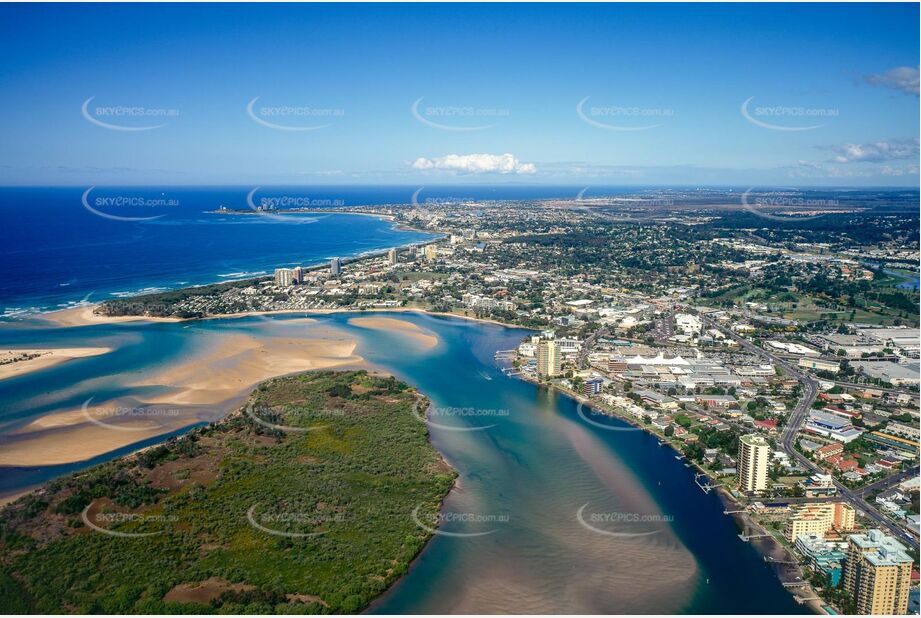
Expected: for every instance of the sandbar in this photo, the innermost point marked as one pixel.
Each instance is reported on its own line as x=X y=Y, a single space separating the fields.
x=42 y=359
x=201 y=387
x=424 y=337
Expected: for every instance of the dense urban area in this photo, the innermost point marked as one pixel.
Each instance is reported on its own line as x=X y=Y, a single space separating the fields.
x=774 y=345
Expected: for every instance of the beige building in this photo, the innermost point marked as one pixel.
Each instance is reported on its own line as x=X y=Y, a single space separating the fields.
x=818 y=519
x=548 y=358
x=877 y=573
x=754 y=453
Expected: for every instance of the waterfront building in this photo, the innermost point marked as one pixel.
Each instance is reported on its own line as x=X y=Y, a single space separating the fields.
x=392 y=257
x=548 y=358
x=335 y=266
x=817 y=519
x=877 y=573
x=592 y=386
x=823 y=556
x=754 y=454
x=284 y=277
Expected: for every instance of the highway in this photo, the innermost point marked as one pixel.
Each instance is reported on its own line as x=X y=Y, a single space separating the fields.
x=795 y=421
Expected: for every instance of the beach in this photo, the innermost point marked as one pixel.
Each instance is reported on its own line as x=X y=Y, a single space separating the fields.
x=84 y=316
x=36 y=359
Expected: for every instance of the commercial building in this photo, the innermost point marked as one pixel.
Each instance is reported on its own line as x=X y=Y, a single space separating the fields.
x=284 y=277
x=548 y=358
x=818 y=364
x=392 y=257
x=592 y=386
x=817 y=519
x=877 y=573
x=886 y=440
x=289 y=276
x=823 y=557
x=335 y=266
x=831 y=426
x=754 y=454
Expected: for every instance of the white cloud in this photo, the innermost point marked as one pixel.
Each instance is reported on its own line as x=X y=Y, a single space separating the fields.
x=900 y=78
x=476 y=164
x=876 y=151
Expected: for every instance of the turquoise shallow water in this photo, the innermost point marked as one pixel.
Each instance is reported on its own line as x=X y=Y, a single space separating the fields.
x=550 y=514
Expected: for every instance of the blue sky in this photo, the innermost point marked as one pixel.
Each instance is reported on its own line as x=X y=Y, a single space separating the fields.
x=581 y=94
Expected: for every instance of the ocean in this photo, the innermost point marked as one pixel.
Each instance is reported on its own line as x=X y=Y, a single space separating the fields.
x=70 y=245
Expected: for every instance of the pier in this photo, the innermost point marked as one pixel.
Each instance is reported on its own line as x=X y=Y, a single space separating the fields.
x=748 y=537
x=706 y=487
x=772 y=560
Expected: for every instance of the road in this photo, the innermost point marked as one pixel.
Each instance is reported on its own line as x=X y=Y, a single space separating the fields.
x=889 y=481
x=795 y=421
x=582 y=356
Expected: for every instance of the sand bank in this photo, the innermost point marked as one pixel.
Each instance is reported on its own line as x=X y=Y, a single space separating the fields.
x=202 y=387
x=240 y=361
x=424 y=337
x=41 y=358
x=84 y=316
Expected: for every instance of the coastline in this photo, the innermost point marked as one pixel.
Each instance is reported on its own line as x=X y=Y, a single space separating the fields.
x=84 y=316
x=64 y=314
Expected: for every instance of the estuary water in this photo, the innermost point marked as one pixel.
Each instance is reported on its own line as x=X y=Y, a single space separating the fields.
x=550 y=513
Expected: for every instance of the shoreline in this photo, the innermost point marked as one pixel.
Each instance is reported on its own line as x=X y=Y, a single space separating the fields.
x=741 y=519
x=84 y=316
x=346 y=259
x=43 y=358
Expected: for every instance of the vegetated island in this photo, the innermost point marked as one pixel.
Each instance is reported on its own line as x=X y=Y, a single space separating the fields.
x=306 y=500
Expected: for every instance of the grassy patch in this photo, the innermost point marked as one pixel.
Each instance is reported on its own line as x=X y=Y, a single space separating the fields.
x=271 y=521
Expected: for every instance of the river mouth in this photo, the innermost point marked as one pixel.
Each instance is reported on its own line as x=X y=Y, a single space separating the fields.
x=549 y=515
